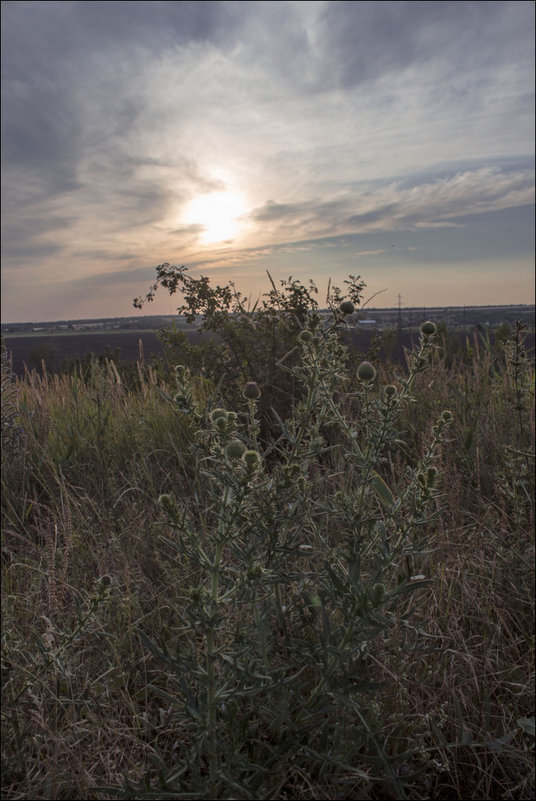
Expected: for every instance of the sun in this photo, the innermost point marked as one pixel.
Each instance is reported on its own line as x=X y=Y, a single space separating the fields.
x=218 y=213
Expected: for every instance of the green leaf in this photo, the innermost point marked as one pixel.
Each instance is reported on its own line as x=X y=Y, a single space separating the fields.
x=527 y=724
x=382 y=490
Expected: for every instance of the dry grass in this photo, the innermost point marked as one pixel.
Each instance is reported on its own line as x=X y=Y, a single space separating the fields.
x=79 y=496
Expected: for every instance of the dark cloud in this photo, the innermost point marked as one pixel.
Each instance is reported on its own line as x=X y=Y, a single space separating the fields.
x=367 y=40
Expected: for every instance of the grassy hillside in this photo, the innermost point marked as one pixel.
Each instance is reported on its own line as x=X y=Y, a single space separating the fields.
x=276 y=572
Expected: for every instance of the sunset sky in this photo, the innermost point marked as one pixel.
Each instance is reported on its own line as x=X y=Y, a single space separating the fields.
x=394 y=140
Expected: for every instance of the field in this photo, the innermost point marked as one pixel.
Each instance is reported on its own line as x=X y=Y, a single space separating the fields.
x=281 y=570
x=59 y=349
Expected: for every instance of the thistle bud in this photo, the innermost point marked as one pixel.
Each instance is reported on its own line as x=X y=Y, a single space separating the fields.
x=220 y=423
x=250 y=459
x=431 y=475
x=167 y=503
x=378 y=591
x=347 y=307
x=428 y=328
x=252 y=391
x=305 y=336
x=390 y=391
x=366 y=372
x=235 y=449
x=105 y=582
x=218 y=413
x=446 y=416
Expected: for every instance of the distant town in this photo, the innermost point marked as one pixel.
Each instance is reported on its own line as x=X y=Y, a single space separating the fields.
x=456 y=318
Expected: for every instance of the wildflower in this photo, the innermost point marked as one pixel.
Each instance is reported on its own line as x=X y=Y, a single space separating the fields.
x=235 y=449
x=347 y=307
x=252 y=391
x=366 y=372
x=428 y=328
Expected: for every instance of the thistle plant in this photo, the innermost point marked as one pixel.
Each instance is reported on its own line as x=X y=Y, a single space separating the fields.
x=294 y=584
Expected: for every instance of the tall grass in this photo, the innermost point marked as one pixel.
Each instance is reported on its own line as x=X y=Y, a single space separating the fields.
x=342 y=607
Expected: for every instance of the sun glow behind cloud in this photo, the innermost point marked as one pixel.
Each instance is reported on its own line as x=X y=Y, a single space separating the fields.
x=220 y=214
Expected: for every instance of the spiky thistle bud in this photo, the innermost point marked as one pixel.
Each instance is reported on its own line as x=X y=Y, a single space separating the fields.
x=347 y=307
x=390 y=391
x=431 y=475
x=378 y=591
x=428 y=328
x=220 y=424
x=252 y=391
x=105 y=582
x=167 y=503
x=305 y=336
x=251 y=459
x=218 y=413
x=366 y=372
x=235 y=449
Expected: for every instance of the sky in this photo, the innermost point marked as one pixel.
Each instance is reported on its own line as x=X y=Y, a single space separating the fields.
x=390 y=140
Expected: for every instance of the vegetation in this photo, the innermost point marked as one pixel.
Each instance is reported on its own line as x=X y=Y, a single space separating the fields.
x=278 y=571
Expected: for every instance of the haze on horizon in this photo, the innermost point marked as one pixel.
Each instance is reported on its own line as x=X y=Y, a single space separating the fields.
x=394 y=140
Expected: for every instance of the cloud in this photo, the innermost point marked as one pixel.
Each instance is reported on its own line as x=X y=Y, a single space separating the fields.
x=370 y=40
x=332 y=120
x=433 y=202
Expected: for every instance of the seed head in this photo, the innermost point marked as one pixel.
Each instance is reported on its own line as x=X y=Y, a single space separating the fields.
x=167 y=503
x=252 y=391
x=250 y=458
x=220 y=423
x=347 y=307
x=431 y=475
x=378 y=591
x=428 y=328
x=235 y=449
x=366 y=372
x=105 y=582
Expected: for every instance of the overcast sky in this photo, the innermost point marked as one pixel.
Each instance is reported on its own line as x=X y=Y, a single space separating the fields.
x=394 y=140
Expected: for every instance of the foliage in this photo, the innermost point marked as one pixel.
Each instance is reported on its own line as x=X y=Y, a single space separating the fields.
x=336 y=600
x=249 y=343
